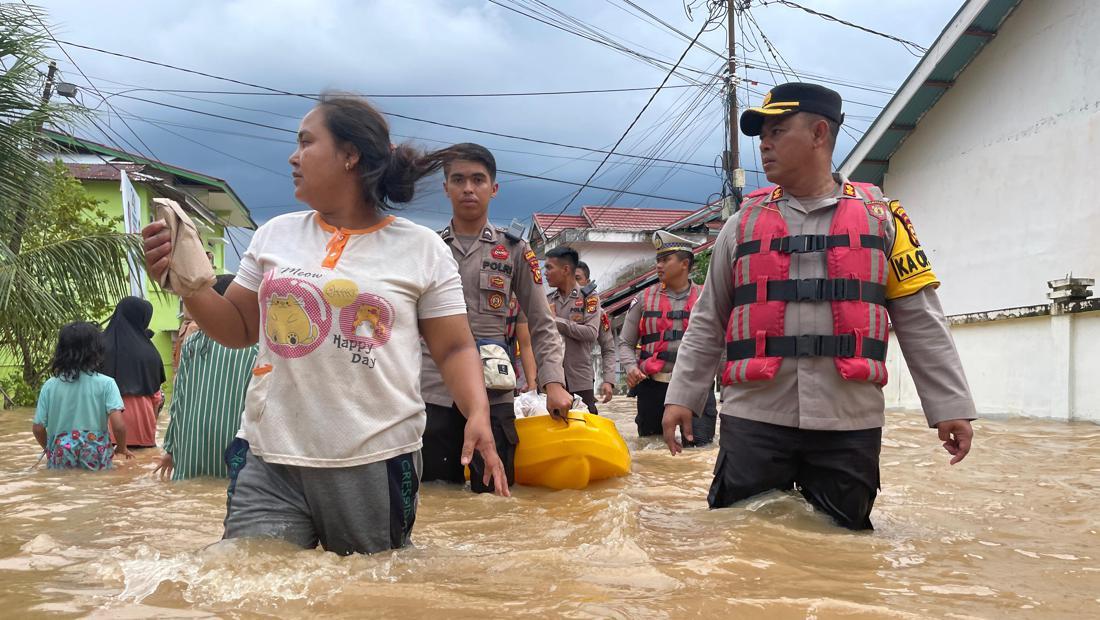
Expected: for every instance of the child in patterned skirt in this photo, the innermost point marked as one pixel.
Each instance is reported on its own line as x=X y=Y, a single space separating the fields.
x=77 y=403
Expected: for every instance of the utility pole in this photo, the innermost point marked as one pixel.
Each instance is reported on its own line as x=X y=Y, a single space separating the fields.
x=733 y=158
x=16 y=241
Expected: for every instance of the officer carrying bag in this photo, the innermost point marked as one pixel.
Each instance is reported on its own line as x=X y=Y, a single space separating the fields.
x=496 y=365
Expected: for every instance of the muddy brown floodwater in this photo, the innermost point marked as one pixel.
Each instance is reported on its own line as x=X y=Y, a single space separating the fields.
x=1011 y=532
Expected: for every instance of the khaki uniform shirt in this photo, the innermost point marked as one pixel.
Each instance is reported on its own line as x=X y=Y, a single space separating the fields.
x=578 y=322
x=808 y=392
x=628 y=337
x=606 y=341
x=493 y=268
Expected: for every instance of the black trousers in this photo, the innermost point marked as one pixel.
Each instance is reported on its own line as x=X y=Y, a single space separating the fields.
x=836 y=471
x=589 y=398
x=651 y=410
x=442 y=452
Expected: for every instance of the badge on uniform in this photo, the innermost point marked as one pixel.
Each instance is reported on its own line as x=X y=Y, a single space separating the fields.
x=500 y=252
x=777 y=193
x=605 y=322
x=903 y=217
x=877 y=209
x=533 y=264
x=591 y=304
x=496 y=282
x=849 y=190
x=496 y=301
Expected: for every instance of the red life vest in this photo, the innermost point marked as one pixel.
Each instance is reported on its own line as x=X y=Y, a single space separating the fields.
x=656 y=329
x=856 y=263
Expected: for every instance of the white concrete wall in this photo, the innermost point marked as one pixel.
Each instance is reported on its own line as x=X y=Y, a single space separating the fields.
x=1047 y=367
x=606 y=260
x=1001 y=176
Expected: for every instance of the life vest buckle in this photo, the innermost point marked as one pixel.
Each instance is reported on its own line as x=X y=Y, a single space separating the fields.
x=807 y=345
x=810 y=289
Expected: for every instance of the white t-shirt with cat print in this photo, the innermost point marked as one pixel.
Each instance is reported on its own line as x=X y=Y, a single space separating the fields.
x=336 y=382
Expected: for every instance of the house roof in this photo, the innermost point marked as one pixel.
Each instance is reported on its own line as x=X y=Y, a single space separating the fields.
x=622 y=218
x=969 y=31
x=239 y=214
x=551 y=224
x=628 y=219
x=106 y=172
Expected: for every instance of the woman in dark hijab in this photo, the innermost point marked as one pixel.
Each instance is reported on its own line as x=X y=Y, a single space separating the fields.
x=137 y=368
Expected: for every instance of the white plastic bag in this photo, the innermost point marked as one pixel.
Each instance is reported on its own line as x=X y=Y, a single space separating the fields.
x=530 y=403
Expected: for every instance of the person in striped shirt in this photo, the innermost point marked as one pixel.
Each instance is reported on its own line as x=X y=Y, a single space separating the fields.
x=207 y=401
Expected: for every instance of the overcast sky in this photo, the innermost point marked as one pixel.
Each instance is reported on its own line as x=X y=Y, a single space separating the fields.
x=381 y=47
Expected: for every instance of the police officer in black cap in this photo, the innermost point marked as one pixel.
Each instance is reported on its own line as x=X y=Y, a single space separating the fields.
x=804 y=282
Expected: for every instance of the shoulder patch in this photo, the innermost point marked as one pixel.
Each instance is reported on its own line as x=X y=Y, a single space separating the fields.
x=877 y=209
x=903 y=218
x=605 y=321
x=591 y=304
x=533 y=265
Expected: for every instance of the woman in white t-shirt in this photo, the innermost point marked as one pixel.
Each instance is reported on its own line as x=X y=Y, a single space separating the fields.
x=338 y=298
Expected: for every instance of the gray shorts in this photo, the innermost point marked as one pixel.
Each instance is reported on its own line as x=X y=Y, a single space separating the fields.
x=362 y=509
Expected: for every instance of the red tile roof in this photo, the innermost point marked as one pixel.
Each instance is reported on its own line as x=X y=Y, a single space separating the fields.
x=621 y=218
x=551 y=224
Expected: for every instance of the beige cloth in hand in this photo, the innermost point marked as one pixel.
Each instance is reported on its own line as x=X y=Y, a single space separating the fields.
x=189 y=270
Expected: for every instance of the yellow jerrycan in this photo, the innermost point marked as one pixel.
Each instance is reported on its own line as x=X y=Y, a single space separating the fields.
x=570 y=453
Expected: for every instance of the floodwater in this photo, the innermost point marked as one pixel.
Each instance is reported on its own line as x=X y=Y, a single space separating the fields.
x=1012 y=531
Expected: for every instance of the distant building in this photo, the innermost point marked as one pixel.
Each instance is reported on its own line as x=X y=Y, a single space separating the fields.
x=211 y=203
x=616 y=242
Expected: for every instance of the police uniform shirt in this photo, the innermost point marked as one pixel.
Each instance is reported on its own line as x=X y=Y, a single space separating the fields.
x=493 y=268
x=628 y=337
x=606 y=342
x=808 y=392
x=578 y=322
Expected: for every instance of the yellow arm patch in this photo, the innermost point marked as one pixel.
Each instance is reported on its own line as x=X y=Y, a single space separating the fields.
x=909 y=269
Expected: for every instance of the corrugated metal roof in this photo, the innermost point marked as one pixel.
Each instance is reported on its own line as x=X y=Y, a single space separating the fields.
x=964 y=37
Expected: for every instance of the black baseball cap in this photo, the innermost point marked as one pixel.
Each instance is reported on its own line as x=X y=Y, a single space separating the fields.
x=791 y=98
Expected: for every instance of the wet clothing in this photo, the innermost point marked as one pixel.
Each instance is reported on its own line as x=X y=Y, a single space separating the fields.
x=651 y=410
x=836 y=471
x=207 y=401
x=129 y=355
x=139 y=414
x=443 y=439
x=578 y=322
x=808 y=392
x=361 y=509
x=75 y=414
x=494 y=269
x=808 y=426
x=498 y=274
x=651 y=392
x=336 y=382
x=589 y=398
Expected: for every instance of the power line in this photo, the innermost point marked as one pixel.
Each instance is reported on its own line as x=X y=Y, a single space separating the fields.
x=430 y=122
x=908 y=45
x=632 y=123
x=514 y=173
x=66 y=52
x=312 y=98
x=545 y=93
